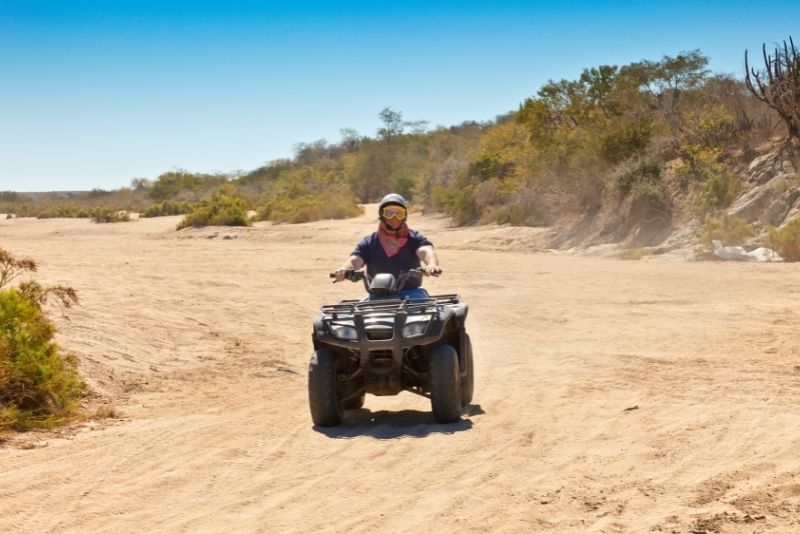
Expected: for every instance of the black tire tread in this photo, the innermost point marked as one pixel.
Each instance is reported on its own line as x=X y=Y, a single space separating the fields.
x=445 y=384
x=323 y=399
x=468 y=383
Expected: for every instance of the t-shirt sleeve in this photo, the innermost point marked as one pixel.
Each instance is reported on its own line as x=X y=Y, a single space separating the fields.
x=419 y=240
x=362 y=249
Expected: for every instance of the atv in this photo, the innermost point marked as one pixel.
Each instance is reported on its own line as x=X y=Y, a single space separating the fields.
x=384 y=345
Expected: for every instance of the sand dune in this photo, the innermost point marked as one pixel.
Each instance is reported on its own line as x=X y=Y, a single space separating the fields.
x=611 y=396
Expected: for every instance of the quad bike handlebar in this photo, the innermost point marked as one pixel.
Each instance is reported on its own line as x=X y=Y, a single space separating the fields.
x=360 y=275
x=356 y=275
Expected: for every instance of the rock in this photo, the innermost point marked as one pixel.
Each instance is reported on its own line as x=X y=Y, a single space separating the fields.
x=737 y=253
x=768 y=167
x=751 y=204
x=776 y=212
x=682 y=237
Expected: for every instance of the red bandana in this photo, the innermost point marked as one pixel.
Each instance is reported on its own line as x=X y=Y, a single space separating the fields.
x=392 y=241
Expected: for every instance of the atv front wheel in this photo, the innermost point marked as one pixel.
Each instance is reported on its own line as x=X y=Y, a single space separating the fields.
x=468 y=383
x=323 y=399
x=445 y=384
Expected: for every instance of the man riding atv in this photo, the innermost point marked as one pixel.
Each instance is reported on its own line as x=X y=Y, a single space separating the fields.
x=398 y=338
x=394 y=248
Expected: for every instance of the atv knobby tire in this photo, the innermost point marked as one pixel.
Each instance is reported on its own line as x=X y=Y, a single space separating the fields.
x=445 y=384
x=323 y=398
x=468 y=382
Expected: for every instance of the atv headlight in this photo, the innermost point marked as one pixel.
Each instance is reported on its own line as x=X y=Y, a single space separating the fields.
x=416 y=328
x=344 y=332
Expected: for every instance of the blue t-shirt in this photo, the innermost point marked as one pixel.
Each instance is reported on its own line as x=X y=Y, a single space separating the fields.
x=370 y=250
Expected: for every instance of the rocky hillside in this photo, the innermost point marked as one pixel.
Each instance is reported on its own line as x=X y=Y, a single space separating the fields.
x=769 y=195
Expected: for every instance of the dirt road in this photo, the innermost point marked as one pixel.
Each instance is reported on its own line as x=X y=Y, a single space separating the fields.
x=611 y=396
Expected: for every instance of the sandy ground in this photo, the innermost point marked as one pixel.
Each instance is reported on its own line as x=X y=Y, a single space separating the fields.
x=611 y=396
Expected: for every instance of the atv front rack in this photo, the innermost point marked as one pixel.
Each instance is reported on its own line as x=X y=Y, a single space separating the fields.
x=409 y=306
x=351 y=325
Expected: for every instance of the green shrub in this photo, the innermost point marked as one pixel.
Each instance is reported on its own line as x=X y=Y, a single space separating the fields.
x=39 y=385
x=718 y=185
x=219 y=210
x=728 y=229
x=651 y=191
x=305 y=206
x=168 y=207
x=785 y=240
x=626 y=141
x=61 y=212
x=710 y=127
x=642 y=179
x=720 y=189
x=104 y=215
x=636 y=171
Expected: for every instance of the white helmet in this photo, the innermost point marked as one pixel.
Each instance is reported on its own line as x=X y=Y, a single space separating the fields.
x=392 y=198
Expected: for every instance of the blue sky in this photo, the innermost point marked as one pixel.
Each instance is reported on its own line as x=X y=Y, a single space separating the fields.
x=94 y=93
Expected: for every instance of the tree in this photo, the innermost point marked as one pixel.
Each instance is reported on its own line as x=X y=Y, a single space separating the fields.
x=350 y=139
x=778 y=85
x=308 y=153
x=666 y=81
x=140 y=184
x=392 y=123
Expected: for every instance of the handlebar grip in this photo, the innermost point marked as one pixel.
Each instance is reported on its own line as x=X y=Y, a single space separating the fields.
x=350 y=274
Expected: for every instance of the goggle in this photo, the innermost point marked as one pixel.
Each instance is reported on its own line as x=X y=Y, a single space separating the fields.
x=394 y=212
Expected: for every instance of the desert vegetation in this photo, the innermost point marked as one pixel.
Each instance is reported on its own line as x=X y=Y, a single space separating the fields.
x=785 y=240
x=217 y=210
x=662 y=141
x=778 y=85
x=39 y=384
x=727 y=229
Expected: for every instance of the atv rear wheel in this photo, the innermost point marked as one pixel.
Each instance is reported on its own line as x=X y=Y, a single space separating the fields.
x=445 y=384
x=468 y=382
x=323 y=398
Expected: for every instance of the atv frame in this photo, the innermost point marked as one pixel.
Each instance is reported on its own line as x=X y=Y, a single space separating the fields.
x=388 y=345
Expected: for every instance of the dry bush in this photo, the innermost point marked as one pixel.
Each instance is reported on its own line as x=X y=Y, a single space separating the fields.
x=218 y=210
x=39 y=384
x=106 y=411
x=728 y=229
x=641 y=179
x=101 y=215
x=169 y=207
x=634 y=253
x=715 y=183
x=785 y=240
x=333 y=203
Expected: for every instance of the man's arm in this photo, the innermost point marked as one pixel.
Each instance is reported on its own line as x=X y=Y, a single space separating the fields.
x=427 y=255
x=353 y=262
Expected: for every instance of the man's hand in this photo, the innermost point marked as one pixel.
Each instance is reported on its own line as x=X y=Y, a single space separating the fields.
x=432 y=270
x=353 y=262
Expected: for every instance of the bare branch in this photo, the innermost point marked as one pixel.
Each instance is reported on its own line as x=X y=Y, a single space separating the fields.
x=10 y=267
x=778 y=85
